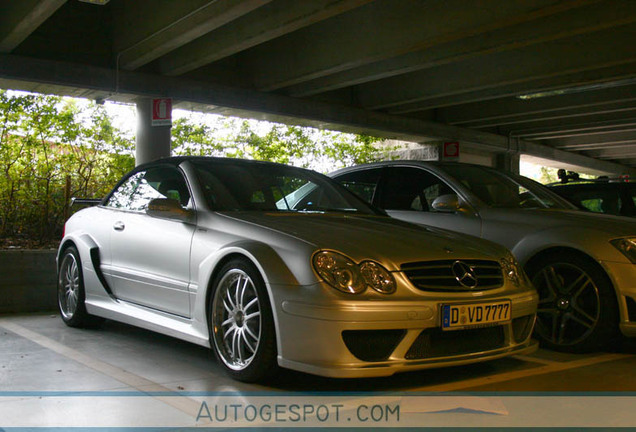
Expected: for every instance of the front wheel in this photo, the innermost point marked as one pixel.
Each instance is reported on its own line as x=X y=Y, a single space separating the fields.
x=577 y=305
x=70 y=291
x=241 y=323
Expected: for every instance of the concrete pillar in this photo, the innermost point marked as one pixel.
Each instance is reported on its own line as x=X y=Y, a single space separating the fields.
x=508 y=162
x=153 y=142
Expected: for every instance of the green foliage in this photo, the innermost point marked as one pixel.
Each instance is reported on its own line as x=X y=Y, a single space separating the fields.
x=193 y=139
x=48 y=154
x=301 y=146
x=53 y=148
x=548 y=175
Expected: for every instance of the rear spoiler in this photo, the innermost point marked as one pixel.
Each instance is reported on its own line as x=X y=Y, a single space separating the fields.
x=85 y=201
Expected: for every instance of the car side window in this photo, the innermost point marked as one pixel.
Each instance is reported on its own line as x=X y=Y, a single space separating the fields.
x=122 y=196
x=138 y=190
x=407 y=188
x=598 y=200
x=362 y=183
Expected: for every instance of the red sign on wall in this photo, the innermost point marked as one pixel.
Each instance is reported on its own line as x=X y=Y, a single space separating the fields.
x=162 y=112
x=451 y=150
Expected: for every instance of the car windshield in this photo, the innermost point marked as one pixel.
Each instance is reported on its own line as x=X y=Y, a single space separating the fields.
x=505 y=190
x=249 y=186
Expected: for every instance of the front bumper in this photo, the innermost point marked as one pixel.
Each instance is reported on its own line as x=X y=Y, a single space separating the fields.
x=623 y=276
x=381 y=338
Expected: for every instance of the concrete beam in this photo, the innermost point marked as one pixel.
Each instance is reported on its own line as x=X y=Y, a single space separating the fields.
x=541 y=26
x=631 y=161
x=184 y=29
x=600 y=138
x=627 y=150
x=21 y=18
x=595 y=146
x=567 y=127
x=493 y=111
x=586 y=77
x=269 y=22
x=576 y=54
x=564 y=130
x=574 y=115
x=311 y=51
x=277 y=108
x=574 y=125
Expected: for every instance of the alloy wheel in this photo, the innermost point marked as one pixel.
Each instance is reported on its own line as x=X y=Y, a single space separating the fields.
x=569 y=305
x=69 y=286
x=236 y=319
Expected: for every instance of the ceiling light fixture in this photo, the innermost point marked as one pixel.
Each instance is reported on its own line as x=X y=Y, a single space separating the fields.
x=95 y=2
x=577 y=89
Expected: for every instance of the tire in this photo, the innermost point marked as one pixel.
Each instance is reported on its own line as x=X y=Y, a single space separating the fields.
x=577 y=311
x=71 y=295
x=241 y=324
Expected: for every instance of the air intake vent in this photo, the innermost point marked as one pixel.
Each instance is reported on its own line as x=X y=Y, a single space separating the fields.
x=372 y=345
x=454 y=275
x=432 y=343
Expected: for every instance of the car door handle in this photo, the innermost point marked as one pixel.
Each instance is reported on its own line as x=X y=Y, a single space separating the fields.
x=119 y=226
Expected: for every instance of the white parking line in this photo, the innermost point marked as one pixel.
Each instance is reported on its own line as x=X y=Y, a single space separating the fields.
x=509 y=376
x=191 y=407
x=531 y=359
x=184 y=404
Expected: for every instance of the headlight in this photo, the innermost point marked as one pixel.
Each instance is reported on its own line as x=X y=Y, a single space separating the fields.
x=377 y=277
x=343 y=274
x=512 y=270
x=627 y=246
x=339 y=272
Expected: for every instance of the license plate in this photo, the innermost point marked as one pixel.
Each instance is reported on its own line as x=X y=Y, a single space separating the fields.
x=458 y=316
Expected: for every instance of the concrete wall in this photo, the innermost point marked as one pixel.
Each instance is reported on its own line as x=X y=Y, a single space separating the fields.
x=27 y=281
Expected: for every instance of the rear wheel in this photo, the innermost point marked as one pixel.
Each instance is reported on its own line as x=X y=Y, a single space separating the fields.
x=577 y=305
x=70 y=291
x=241 y=323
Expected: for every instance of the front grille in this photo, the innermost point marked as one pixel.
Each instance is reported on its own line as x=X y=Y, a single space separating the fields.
x=435 y=342
x=439 y=275
x=372 y=345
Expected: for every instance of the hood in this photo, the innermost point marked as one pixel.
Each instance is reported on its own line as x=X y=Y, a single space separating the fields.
x=614 y=226
x=380 y=238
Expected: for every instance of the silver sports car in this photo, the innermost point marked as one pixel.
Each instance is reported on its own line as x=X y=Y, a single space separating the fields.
x=273 y=266
x=582 y=264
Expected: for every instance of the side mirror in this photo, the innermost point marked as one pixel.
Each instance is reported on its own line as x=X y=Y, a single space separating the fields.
x=446 y=203
x=168 y=208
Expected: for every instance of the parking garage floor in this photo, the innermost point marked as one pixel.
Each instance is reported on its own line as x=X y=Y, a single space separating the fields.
x=122 y=376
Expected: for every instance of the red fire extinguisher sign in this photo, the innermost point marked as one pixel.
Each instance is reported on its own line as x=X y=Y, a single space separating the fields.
x=162 y=112
x=451 y=150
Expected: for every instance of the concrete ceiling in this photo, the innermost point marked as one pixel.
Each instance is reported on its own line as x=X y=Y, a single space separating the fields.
x=552 y=79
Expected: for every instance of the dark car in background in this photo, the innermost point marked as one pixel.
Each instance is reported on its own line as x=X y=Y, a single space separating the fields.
x=603 y=195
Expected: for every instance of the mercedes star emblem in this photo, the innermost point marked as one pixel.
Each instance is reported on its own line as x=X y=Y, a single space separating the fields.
x=464 y=274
